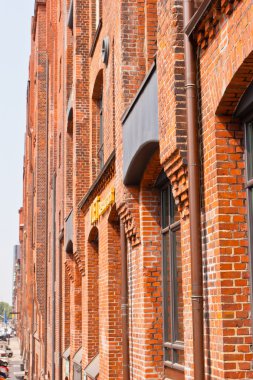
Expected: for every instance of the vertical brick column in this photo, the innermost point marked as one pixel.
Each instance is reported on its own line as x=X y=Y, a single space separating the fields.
x=90 y=298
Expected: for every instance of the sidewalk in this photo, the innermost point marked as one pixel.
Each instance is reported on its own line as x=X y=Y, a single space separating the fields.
x=16 y=361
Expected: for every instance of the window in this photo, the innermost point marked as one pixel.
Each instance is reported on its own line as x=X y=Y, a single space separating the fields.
x=172 y=283
x=101 y=135
x=97 y=13
x=59 y=151
x=249 y=186
x=71 y=15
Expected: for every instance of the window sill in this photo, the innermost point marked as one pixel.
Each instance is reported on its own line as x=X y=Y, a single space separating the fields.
x=173 y=373
x=95 y=39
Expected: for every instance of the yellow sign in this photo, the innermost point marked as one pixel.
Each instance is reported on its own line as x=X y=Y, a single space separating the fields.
x=98 y=207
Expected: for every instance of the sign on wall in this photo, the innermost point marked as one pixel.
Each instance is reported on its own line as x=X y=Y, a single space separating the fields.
x=100 y=206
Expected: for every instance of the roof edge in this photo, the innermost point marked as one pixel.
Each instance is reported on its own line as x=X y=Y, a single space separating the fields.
x=197 y=17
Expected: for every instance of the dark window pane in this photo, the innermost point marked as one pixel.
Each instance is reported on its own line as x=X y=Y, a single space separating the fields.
x=165 y=208
x=168 y=355
x=178 y=286
x=179 y=357
x=167 y=288
x=174 y=213
x=101 y=134
x=249 y=144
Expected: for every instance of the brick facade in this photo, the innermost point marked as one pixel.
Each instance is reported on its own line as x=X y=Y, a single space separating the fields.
x=75 y=199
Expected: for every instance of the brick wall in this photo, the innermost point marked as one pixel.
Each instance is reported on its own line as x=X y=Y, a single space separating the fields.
x=67 y=75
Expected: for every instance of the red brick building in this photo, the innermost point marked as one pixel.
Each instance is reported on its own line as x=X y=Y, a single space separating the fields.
x=136 y=228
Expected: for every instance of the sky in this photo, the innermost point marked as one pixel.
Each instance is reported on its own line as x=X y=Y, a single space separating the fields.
x=15 y=29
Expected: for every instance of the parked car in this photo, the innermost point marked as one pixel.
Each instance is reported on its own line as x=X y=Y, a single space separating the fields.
x=3 y=354
x=9 y=351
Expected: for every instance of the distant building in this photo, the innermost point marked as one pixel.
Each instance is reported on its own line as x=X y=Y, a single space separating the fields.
x=16 y=281
x=136 y=229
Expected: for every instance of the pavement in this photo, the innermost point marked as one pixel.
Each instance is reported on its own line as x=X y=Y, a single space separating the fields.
x=16 y=361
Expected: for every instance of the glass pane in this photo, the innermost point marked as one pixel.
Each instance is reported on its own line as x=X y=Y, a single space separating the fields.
x=178 y=286
x=168 y=356
x=249 y=144
x=165 y=208
x=166 y=289
x=174 y=213
x=179 y=357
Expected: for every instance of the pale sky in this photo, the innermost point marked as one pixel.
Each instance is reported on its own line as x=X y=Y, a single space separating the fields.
x=15 y=29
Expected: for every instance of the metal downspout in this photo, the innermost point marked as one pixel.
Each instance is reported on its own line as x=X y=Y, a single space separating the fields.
x=124 y=303
x=53 y=277
x=194 y=198
x=46 y=274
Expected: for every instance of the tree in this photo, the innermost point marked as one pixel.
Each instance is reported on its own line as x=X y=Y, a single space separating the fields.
x=5 y=306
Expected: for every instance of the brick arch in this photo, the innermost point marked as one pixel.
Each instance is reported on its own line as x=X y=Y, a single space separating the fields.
x=90 y=288
x=93 y=235
x=98 y=85
x=113 y=215
x=236 y=87
x=152 y=171
x=97 y=95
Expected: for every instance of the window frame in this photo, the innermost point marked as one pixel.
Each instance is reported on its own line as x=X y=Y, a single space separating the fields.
x=249 y=190
x=170 y=295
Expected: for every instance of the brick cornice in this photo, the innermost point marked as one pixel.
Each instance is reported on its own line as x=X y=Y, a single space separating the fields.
x=79 y=259
x=131 y=228
x=69 y=268
x=176 y=171
x=205 y=28
x=100 y=183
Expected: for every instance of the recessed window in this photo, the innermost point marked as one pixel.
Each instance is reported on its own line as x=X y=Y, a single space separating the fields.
x=97 y=13
x=59 y=151
x=249 y=186
x=101 y=135
x=172 y=282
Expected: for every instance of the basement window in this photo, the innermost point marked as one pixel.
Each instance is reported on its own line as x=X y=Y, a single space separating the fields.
x=172 y=284
x=71 y=16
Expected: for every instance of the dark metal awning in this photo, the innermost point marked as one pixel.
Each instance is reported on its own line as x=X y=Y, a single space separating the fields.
x=92 y=369
x=66 y=354
x=69 y=233
x=78 y=357
x=140 y=130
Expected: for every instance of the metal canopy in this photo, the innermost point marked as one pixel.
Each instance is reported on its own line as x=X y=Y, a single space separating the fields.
x=69 y=233
x=140 y=130
x=92 y=369
x=78 y=357
x=66 y=354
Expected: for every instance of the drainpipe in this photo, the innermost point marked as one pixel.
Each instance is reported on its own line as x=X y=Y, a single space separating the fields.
x=124 y=303
x=53 y=277
x=46 y=274
x=60 y=308
x=194 y=198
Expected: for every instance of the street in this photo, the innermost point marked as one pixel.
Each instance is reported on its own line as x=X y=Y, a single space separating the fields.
x=16 y=361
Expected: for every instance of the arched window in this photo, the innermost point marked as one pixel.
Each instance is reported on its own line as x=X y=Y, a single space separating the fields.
x=96 y=16
x=172 y=282
x=101 y=134
x=245 y=113
x=97 y=140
